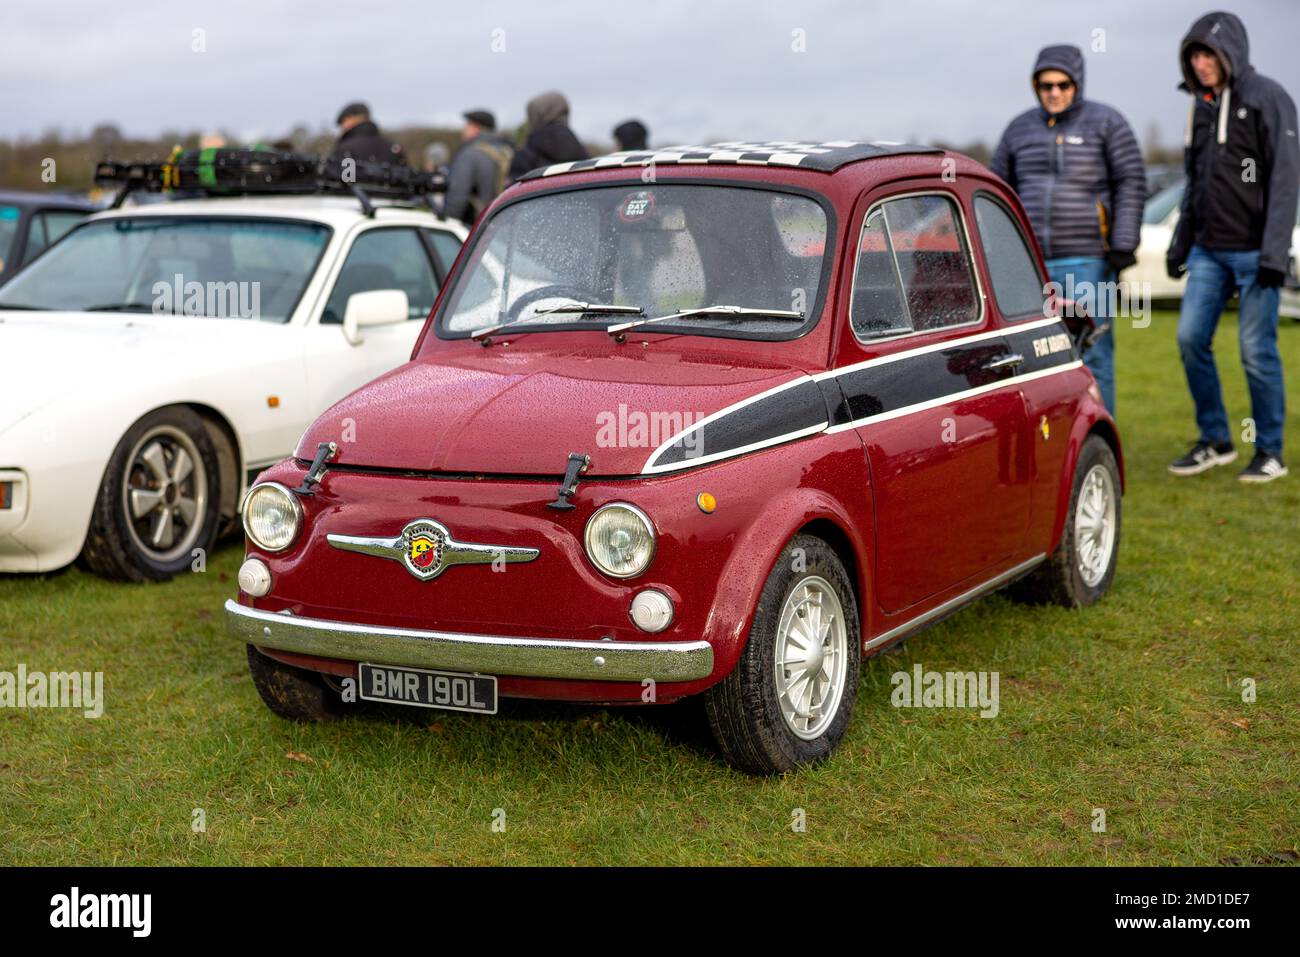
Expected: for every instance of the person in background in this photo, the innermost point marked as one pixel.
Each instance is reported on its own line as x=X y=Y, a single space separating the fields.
x=1077 y=168
x=549 y=138
x=478 y=171
x=1234 y=233
x=631 y=135
x=360 y=138
x=436 y=156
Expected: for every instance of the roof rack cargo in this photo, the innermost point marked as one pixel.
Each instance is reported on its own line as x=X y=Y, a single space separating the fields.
x=242 y=172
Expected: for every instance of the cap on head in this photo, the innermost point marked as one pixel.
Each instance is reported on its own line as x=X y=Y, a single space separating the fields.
x=358 y=109
x=481 y=118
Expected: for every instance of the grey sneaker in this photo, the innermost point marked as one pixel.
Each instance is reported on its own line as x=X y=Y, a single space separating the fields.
x=1203 y=456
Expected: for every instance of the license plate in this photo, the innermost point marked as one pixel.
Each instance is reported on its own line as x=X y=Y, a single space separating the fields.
x=422 y=688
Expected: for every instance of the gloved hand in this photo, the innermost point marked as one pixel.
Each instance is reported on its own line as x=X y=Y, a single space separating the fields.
x=1174 y=267
x=1119 y=260
x=1267 y=278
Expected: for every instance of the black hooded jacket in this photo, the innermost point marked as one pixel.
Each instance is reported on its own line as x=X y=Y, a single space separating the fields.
x=1241 y=153
x=1079 y=172
x=549 y=139
x=551 y=144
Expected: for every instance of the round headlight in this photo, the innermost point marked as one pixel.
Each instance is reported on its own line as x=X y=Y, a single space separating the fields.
x=620 y=540
x=272 y=516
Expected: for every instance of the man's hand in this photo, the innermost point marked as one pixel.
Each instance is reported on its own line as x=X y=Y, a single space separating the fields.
x=1174 y=268
x=1267 y=278
x=1119 y=260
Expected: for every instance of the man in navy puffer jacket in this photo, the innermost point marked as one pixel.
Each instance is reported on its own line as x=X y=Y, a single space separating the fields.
x=1077 y=168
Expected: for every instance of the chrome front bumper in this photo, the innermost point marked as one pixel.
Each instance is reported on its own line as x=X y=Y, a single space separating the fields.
x=484 y=654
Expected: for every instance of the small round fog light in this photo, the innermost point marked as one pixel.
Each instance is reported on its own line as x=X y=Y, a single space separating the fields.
x=254 y=578
x=652 y=610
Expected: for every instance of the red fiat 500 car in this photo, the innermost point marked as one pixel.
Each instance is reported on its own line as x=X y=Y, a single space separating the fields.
x=712 y=420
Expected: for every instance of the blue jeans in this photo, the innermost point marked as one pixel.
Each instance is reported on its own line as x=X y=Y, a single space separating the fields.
x=1212 y=275
x=1082 y=274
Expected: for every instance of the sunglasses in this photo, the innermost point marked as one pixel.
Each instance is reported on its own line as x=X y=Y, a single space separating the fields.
x=1063 y=86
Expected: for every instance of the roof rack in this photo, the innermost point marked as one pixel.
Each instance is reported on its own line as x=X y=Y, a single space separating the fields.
x=243 y=172
x=823 y=157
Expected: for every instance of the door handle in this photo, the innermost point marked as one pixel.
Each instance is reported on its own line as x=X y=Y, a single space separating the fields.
x=1004 y=362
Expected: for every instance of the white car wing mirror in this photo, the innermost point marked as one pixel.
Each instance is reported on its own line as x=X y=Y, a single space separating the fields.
x=378 y=307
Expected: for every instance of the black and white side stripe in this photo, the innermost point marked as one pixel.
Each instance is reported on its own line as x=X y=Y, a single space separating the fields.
x=871 y=391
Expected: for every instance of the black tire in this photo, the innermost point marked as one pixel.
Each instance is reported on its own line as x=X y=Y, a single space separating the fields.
x=116 y=544
x=744 y=710
x=1058 y=580
x=293 y=693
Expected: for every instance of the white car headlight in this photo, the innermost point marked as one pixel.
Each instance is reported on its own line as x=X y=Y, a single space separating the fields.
x=620 y=540
x=272 y=516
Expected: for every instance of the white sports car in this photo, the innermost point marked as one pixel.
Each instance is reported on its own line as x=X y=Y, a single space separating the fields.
x=158 y=356
x=1158 y=221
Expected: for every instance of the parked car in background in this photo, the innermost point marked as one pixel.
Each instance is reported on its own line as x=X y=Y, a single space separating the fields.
x=1158 y=222
x=722 y=434
x=30 y=222
x=161 y=354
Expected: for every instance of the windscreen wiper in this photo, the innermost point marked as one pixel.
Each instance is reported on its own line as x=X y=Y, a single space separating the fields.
x=740 y=312
x=578 y=308
x=120 y=307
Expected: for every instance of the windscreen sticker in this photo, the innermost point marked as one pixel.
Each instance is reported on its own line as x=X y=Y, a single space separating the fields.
x=636 y=207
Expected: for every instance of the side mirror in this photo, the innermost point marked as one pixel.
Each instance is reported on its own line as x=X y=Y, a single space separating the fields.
x=1084 y=328
x=379 y=307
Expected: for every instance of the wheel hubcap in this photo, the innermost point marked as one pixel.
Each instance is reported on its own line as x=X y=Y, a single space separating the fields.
x=165 y=494
x=811 y=657
x=1094 y=525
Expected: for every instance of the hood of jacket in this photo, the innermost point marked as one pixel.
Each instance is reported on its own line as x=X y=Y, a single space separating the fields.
x=548 y=108
x=1225 y=34
x=1069 y=60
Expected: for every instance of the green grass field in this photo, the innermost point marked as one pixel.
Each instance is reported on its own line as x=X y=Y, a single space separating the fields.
x=1133 y=706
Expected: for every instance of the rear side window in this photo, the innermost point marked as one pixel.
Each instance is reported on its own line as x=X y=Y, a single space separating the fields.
x=913 y=272
x=1016 y=283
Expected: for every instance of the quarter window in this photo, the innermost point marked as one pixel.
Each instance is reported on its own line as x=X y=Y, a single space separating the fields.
x=913 y=271
x=877 y=308
x=445 y=245
x=1017 y=286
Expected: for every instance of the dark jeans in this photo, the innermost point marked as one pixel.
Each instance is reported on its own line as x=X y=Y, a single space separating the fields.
x=1080 y=276
x=1212 y=275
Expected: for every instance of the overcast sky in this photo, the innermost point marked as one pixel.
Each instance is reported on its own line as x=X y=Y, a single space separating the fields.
x=692 y=70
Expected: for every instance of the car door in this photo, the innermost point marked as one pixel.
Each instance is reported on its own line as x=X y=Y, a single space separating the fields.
x=1050 y=377
x=919 y=372
x=382 y=257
